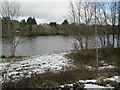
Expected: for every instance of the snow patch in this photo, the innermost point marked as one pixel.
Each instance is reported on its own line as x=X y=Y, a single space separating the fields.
x=106 y=67
x=97 y=86
x=88 y=84
x=36 y=65
x=88 y=81
x=89 y=68
x=114 y=78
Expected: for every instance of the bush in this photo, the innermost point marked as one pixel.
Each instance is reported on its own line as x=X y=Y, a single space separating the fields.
x=3 y=56
x=115 y=84
x=48 y=85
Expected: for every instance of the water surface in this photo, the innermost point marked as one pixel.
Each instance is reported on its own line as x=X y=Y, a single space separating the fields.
x=37 y=45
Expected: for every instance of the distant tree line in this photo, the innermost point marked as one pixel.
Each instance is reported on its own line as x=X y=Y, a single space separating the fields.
x=30 y=27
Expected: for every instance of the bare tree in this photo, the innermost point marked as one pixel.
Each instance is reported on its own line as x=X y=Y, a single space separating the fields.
x=118 y=24
x=96 y=31
x=72 y=13
x=113 y=19
x=10 y=12
x=119 y=13
x=82 y=15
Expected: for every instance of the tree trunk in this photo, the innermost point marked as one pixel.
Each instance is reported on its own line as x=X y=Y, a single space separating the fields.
x=86 y=43
x=13 y=53
x=81 y=44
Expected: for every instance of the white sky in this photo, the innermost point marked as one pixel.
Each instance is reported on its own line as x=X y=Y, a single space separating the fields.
x=46 y=11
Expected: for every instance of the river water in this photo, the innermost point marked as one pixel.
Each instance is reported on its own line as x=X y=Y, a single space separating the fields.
x=37 y=45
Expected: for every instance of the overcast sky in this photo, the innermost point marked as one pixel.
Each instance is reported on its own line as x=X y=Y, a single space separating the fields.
x=46 y=11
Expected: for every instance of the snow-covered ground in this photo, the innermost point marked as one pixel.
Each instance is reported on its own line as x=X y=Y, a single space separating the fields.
x=88 y=86
x=90 y=68
x=114 y=78
x=92 y=84
x=104 y=66
x=37 y=64
x=15 y=71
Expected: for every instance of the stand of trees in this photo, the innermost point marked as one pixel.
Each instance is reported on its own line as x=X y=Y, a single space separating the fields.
x=95 y=25
x=95 y=14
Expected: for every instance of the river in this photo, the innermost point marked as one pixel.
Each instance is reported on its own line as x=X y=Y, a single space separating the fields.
x=37 y=45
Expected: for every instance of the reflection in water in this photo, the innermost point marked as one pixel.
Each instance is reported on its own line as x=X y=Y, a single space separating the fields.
x=39 y=45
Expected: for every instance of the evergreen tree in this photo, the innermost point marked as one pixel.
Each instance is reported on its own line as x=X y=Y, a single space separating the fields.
x=53 y=24
x=31 y=20
x=23 y=21
x=65 y=22
x=34 y=21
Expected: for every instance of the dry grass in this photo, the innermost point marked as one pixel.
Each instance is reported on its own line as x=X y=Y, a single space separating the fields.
x=81 y=59
x=56 y=78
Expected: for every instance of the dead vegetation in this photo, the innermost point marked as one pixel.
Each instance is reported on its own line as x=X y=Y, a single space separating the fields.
x=80 y=72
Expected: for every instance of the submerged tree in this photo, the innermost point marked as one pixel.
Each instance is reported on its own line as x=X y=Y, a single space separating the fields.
x=10 y=12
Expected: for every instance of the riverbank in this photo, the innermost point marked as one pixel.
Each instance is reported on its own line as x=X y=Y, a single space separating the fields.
x=61 y=71
x=30 y=34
